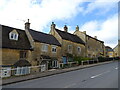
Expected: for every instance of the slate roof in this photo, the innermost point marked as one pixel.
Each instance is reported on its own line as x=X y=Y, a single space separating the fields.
x=44 y=38
x=22 y=43
x=45 y=57
x=22 y=63
x=95 y=39
x=108 y=48
x=70 y=37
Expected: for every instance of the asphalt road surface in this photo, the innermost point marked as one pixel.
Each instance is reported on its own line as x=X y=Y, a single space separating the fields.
x=102 y=76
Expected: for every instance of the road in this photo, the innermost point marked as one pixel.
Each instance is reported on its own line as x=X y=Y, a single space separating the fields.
x=102 y=76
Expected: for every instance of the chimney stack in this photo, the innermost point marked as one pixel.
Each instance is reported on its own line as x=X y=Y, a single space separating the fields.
x=27 y=28
x=65 y=28
x=27 y=25
x=53 y=26
x=77 y=28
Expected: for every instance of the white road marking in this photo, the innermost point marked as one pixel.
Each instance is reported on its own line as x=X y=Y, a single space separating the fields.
x=116 y=68
x=99 y=74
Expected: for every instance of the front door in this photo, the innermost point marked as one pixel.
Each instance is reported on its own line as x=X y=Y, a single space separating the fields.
x=64 y=60
x=43 y=67
x=54 y=63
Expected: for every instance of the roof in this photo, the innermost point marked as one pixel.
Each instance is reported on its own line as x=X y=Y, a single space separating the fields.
x=115 y=47
x=45 y=57
x=95 y=38
x=22 y=63
x=22 y=42
x=108 y=48
x=70 y=37
x=44 y=38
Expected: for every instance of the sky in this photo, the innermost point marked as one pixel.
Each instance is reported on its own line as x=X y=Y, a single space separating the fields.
x=96 y=17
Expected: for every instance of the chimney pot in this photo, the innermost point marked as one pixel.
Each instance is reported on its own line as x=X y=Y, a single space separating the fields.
x=53 y=26
x=77 y=28
x=65 y=28
x=28 y=20
x=27 y=25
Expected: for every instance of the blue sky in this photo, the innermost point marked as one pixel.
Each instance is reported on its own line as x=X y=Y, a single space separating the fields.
x=96 y=17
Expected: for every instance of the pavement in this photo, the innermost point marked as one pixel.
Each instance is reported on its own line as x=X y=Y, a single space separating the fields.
x=13 y=80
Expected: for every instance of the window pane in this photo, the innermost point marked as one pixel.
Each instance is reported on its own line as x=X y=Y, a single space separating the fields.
x=15 y=36
x=23 y=54
x=54 y=49
x=44 y=47
x=69 y=47
x=79 y=49
x=12 y=36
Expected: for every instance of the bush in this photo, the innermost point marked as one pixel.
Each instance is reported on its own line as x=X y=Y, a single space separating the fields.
x=86 y=58
x=116 y=58
x=101 y=59
x=79 y=59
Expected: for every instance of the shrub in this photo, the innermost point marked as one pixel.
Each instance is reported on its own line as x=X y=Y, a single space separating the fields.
x=116 y=58
x=101 y=59
x=79 y=59
x=86 y=58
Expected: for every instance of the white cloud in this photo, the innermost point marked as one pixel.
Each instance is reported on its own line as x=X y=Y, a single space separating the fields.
x=106 y=31
x=102 y=6
x=40 y=13
x=91 y=26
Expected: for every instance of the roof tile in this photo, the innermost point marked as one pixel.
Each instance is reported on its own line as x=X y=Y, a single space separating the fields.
x=44 y=38
x=21 y=43
x=70 y=37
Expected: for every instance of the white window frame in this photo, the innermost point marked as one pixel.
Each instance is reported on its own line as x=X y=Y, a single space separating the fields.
x=45 y=47
x=22 y=70
x=13 y=36
x=55 y=49
x=69 y=49
x=55 y=63
x=5 y=72
x=79 y=49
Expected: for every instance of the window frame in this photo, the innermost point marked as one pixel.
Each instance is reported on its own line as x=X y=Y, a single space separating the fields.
x=23 y=54
x=13 y=36
x=45 y=47
x=22 y=71
x=69 y=49
x=79 y=51
x=54 y=49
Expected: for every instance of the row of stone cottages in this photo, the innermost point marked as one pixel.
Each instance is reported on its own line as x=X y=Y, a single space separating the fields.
x=21 y=48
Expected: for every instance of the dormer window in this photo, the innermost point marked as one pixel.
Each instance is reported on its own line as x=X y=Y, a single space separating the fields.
x=13 y=35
